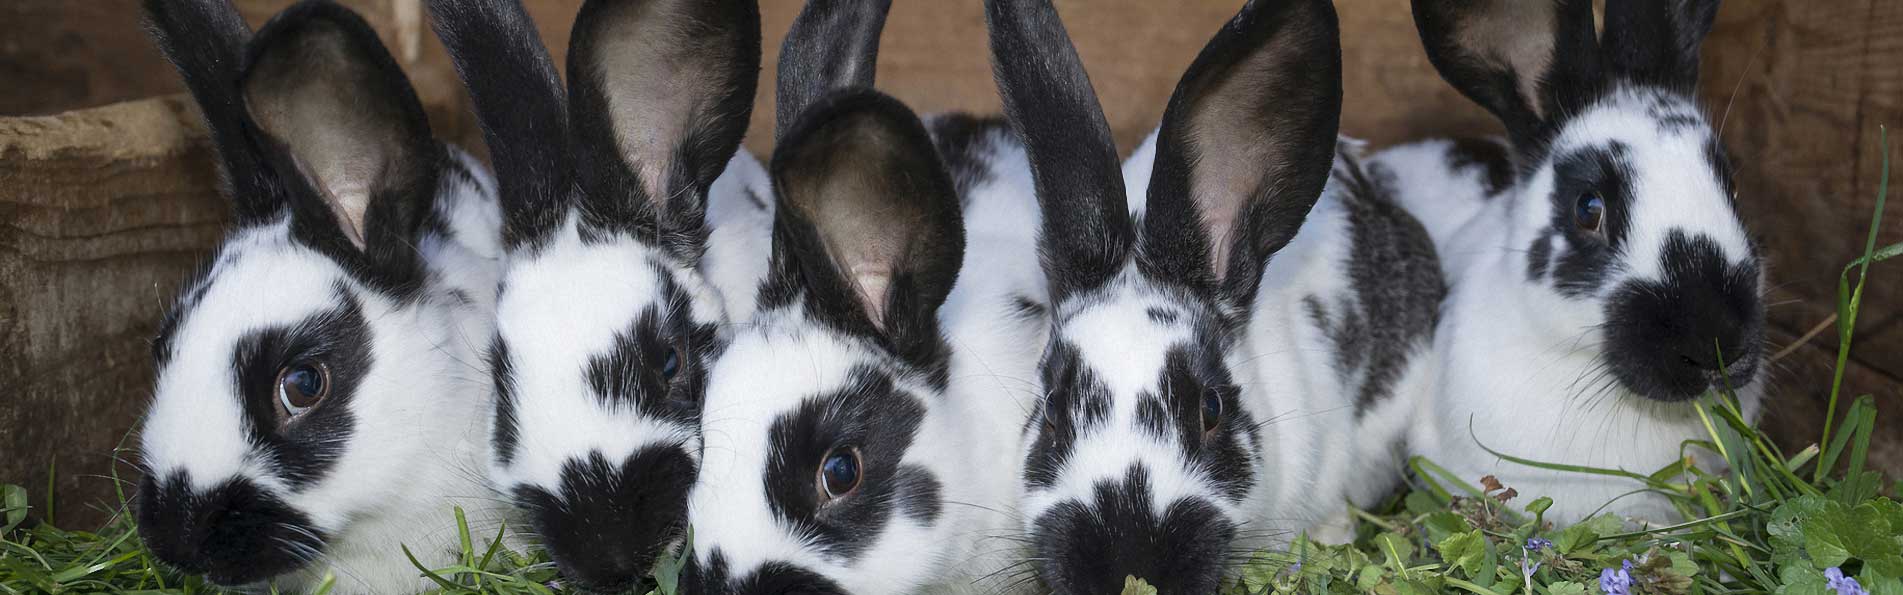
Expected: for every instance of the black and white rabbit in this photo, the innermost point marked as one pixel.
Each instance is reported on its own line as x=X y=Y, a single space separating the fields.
x=321 y=400
x=608 y=316
x=862 y=433
x=1598 y=266
x=1235 y=351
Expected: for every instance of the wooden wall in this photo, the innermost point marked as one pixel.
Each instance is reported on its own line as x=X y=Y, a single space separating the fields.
x=107 y=209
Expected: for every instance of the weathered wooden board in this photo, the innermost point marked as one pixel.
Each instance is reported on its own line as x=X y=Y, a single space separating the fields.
x=106 y=210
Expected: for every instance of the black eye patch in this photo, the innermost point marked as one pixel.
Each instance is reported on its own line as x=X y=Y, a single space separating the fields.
x=1186 y=380
x=881 y=420
x=1604 y=172
x=305 y=449
x=1076 y=402
x=634 y=369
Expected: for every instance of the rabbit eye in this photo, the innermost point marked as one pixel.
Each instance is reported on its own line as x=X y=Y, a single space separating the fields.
x=302 y=386
x=839 y=473
x=1590 y=212
x=1212 y=410
x=672 y=365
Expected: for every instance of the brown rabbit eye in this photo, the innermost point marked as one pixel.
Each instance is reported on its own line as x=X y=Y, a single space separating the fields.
x=1590 y=212
x=1212 y=410
x=302 y=386
x=839 y=473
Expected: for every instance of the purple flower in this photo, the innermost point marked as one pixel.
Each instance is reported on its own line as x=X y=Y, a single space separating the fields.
x=1617 y=582
x=1538 y=543
x=1843 y=585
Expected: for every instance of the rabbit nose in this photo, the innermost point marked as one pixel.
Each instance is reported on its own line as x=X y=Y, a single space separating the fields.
x=233 y=533
x=1092 y=546
x=608 y=522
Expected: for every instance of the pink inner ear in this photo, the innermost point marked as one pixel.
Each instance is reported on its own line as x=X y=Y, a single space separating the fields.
x=872 y=284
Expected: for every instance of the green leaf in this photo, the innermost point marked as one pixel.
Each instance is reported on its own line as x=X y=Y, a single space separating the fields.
x=1802 y=580
x=1566 y=588
x=667 y=570
x=13 y=502
x=1397 y=549
x=1444 y=524
x=1539 y=505
x=1136 y=586
x=1466 y=551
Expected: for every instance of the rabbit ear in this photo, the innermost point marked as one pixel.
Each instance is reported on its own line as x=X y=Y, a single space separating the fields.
x=1048 y=98
x=868 y=224
x=323 y=91
x=834 y=44
x=1245 y=146
x=659 y=94
x=205 y=40
x=518 y=98
x=1656 y=41
x=1527 y=61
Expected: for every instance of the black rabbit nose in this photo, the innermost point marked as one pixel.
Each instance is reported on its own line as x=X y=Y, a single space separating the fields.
x=609 y=522
x=1091 y=547
x=233 y=533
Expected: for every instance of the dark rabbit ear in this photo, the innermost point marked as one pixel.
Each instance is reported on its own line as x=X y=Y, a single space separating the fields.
x=659 y=96
x=205 y=40
x=834 y=44
x=1529 y=62
x=1656 y=41
x=868 y=224
x=518 y=98
x=1048 y=98
x=1245 y=147
x=322 y=89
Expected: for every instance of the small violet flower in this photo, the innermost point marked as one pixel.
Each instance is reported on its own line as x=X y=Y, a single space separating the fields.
x=1843 y=585
x=1538 y=543
x=1617 y=582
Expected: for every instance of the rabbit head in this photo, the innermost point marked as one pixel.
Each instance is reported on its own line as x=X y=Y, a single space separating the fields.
x=1623 y=201
x=606 y=325
x=1144 y=450
x=319 y=398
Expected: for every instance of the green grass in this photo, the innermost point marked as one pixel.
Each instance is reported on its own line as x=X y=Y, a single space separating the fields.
x=1775 y=524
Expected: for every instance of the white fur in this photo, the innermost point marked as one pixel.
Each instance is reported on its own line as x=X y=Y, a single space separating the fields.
x=968 y=438
x=1520 y=361
x=421 y=412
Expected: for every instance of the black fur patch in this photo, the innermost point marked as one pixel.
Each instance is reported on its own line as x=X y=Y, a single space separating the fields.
x=873 y=415
x=919 y=494
x=1029 y=309
x=1222 y=454
x=608 y=521
x=1089 y=547
x=772 y=578
x=1494 y=163
x=1161 y=315
x=505 y=432
x=1539 y=256
x=1664 y=339
x=964 y=142
x=1072 y=393
x=1580 y=269
x=1153 y=416
x=630 y=372
x=1398 y=287
x=304 y=449
x=233 y=534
